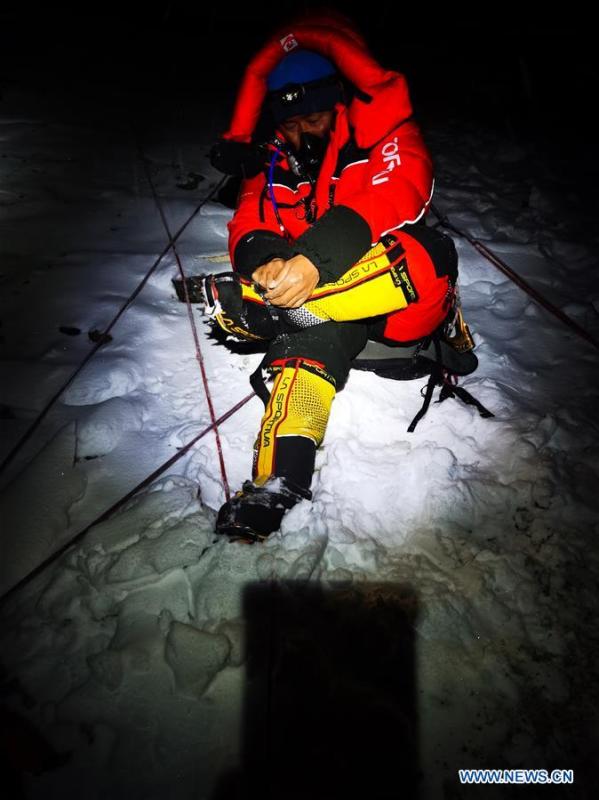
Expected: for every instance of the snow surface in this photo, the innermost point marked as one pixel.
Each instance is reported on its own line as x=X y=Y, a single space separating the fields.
x=130 y=652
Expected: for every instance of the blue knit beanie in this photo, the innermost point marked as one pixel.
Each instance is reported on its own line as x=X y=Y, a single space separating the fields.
x=300 y=66
x=302 y=83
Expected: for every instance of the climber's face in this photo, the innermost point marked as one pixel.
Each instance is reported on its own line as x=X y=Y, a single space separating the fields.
x=318 y=124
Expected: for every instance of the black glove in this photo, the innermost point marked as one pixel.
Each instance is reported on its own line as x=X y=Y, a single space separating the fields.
x=238 y=158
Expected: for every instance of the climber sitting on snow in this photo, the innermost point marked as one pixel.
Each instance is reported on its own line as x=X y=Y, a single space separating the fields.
x=324 y=243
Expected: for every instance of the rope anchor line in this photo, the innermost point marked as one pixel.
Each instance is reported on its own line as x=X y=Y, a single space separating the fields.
x=121 y=502
x=497 y=262
x=214 y=423
x=194 y=331
x=102 y=339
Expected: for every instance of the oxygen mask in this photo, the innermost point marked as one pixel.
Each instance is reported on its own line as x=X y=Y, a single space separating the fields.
x=307 y=159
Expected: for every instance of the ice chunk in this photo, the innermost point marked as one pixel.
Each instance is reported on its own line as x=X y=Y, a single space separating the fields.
x=107 y=668
x=195 y=657
x=34 y=508
x=235 y=632
x=139 y=641
x=178 y=547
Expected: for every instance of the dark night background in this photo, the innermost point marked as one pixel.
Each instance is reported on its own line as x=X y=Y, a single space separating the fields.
x=530 y=73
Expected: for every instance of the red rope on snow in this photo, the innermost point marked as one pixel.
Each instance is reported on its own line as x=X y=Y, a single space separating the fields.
x=517 y=279
x=119 y=503
x=43 y=413
x=183 y=450
x=194 y=331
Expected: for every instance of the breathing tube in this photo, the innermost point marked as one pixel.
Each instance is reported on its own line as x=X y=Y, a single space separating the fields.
x=298 y=168
x=271 y=170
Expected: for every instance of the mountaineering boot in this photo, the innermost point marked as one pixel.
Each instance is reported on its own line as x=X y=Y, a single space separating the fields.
x=206 y=290
x=232 y=303
x=256 y=511
x=194 y=286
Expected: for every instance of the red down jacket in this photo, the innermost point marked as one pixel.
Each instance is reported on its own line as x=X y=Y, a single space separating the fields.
x=375 y=178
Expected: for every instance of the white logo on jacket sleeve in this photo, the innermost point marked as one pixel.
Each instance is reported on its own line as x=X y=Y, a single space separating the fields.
x=288 y=42
x=390 y=151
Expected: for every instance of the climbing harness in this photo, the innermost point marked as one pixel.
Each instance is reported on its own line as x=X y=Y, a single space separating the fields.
x=441 y=376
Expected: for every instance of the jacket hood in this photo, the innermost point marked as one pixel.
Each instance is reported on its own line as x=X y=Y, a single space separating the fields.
x=382 y=99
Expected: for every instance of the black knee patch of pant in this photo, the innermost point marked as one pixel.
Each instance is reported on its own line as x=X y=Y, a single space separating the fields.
x=334 y=344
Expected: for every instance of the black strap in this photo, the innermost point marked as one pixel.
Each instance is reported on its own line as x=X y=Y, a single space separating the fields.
x=448 y=389
x=257 y=383
x=434 y=379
